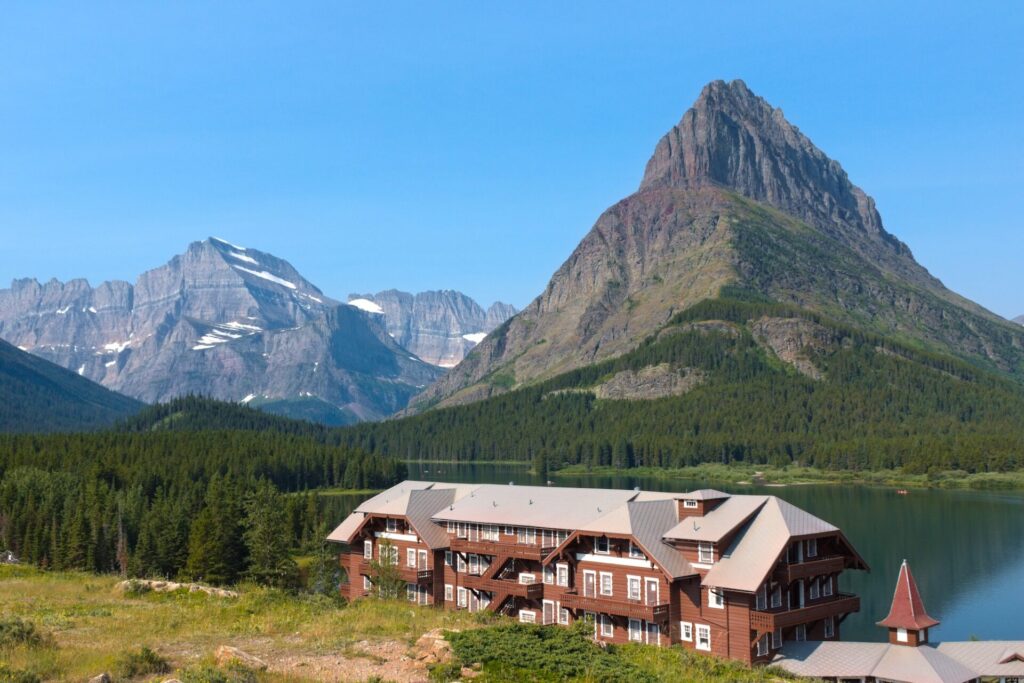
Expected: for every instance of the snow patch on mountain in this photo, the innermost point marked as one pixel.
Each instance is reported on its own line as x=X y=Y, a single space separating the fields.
x=266 y=276
x=243 y=257
x=475 y=337
x=233 y=246
x=366 y=305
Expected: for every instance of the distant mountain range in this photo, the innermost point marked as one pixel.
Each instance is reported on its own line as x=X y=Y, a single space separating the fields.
x=39 y=396
x=1019 y=319
x=440 y=327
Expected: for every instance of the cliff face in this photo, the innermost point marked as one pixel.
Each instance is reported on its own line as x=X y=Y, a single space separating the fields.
x=734 y=195
x=220 y=320
x=440 y=327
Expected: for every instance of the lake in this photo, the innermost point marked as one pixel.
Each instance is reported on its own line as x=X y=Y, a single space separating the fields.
x=966 y=548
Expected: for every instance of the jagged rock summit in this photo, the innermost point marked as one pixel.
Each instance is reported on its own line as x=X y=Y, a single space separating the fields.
x=734 y=197
x=440 y=327
x=221 y=320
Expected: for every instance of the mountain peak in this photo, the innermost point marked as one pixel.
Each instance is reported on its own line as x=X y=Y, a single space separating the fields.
x=734 y=139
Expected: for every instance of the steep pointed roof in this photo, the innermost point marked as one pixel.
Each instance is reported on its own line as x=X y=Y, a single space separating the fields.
x=907 y=609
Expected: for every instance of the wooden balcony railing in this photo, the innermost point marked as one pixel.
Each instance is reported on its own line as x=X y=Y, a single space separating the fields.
x=635 y=609
x=805 y=570
x=766 y=622
x=504 y=587
x=500 y=549
x=409 y=574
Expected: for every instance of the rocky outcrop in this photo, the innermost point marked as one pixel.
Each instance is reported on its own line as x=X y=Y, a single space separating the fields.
x=220 y=320
x=656 y=381
x=733 y=196
x=793 y=340
x=136 y=586
x=228 y=655
x=440 y=327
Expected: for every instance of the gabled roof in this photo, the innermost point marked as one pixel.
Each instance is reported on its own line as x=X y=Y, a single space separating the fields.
x=544 y=507
x=646 y=522
x=988 y=657
x=907 y=609
x=703 y=494
x=719 y=523
x=758 y=545
x=836 y=659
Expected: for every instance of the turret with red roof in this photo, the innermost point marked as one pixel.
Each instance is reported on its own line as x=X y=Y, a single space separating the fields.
x=908 y=622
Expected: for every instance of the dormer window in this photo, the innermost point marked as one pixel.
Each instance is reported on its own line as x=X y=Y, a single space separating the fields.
x=392 y=525
x=602 y=545
x=812 y=547
x=716 y=598
x=705 y=553
x=690 y=504
x=635 y=551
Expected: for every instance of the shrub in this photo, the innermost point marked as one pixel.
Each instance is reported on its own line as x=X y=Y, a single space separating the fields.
x=445 y=672
x=141 y=662
x=15 y=631
x=15 y=676
x=233 y=673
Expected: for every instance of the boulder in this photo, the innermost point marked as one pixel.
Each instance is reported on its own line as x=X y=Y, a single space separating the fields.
x=227 y=654
x=102 y=678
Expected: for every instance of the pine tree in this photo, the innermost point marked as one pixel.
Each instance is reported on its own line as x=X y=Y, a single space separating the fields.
x=267 y=538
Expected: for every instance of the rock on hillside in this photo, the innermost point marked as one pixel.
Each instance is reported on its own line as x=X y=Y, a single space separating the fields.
x=734 y=196
x=440 y=327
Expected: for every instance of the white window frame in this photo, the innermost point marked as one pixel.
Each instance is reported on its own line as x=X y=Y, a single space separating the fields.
x=563 y=614
x=830 y=627
x=527 y=616
x=449 y=592
x=462 y=599
x=692 y=504
x=716 y=598
x=606 y=626
x=602 y=577
x=526 y=535
x=631 y=582
x=367 y=549
x=597 y=587
x=801 y=633
x=901 y=635
x=367 y=584
x=686 y=631
x=448 y=558
x=636 y=551
x=815 y=591
x=562 y=574
x=527 y=578
x=460 y=530
x=826 y=586
x=391 y=525
x=607 y=545
x=762 y=645
x=474 y=564
x=648 y=580
x=703 y=635
x=543 y=612
x=410 y=557
x=777 y=596
x=636 y=631
x=761 y=600
x=450 y=527
x=411 y=592
x=777 y=639
x=549 y=575
x=705 y=553
x=812 y=547
x=460 y=563
x=510 y=531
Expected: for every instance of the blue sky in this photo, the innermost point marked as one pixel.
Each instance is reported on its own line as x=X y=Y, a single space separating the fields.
x=471 y=145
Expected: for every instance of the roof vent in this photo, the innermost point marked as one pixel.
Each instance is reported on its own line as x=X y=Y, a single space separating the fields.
x=511 y=483
x=598 y=508
x=637 y=489
x=494 y=503
x=531 y=501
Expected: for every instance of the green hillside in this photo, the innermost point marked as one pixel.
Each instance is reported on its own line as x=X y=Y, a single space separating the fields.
x=748 y=380
x=38 y=396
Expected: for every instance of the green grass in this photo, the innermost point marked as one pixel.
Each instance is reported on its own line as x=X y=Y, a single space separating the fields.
x=738 y=473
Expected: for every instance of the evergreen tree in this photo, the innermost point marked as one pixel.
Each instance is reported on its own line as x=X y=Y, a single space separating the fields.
x=216 y=552
x=267 y=538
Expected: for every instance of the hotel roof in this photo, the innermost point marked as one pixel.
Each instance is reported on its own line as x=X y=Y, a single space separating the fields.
x=717 y=523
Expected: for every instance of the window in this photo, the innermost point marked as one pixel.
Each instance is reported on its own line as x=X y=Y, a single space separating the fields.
x=410 y=557
x=509 y=531
x=448 y=557
x=689 y=504
x=635 y=551
x=815 y=590
x=451 y=527
x=462 y=597
x=527 y=535
x=492 y=533
x=901 y=635
x=562 y=574
x=705 y=553
x=449 y=592
x=716 y=598
x=686 y=631
x=703 y=637
x=826 y=585
x=636 y=632
x=607 y=627
x=602 y=546
x=563 y=616
x=474 y=564
x=830 y=627
x=812 y=547
x=367 y=584
x=527 y=616
x=527 y=578
x=367 y=550
x=460 y=563
x=392 y=525
x=777 y=639
x=606 y=583
x=633 y=587
x=762 y=598
x=777 y=595
x=411 y=592
x=801 y=633
x=460 y=530
x=549 y=575
x=762 y=646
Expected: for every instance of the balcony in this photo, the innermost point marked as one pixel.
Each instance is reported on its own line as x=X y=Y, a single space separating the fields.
x=408 y=574
x=789 y=573
x=516 y=550
x=766 y=622
x=502 y=587
x=634 y=609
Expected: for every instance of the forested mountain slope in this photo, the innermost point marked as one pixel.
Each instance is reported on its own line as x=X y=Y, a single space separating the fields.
x=738 y=378
x=734 y=195
x=38 y=396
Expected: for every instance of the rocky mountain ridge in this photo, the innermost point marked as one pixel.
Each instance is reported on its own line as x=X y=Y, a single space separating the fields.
x=219 y=320
x=734 y=196
x=440 y=327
